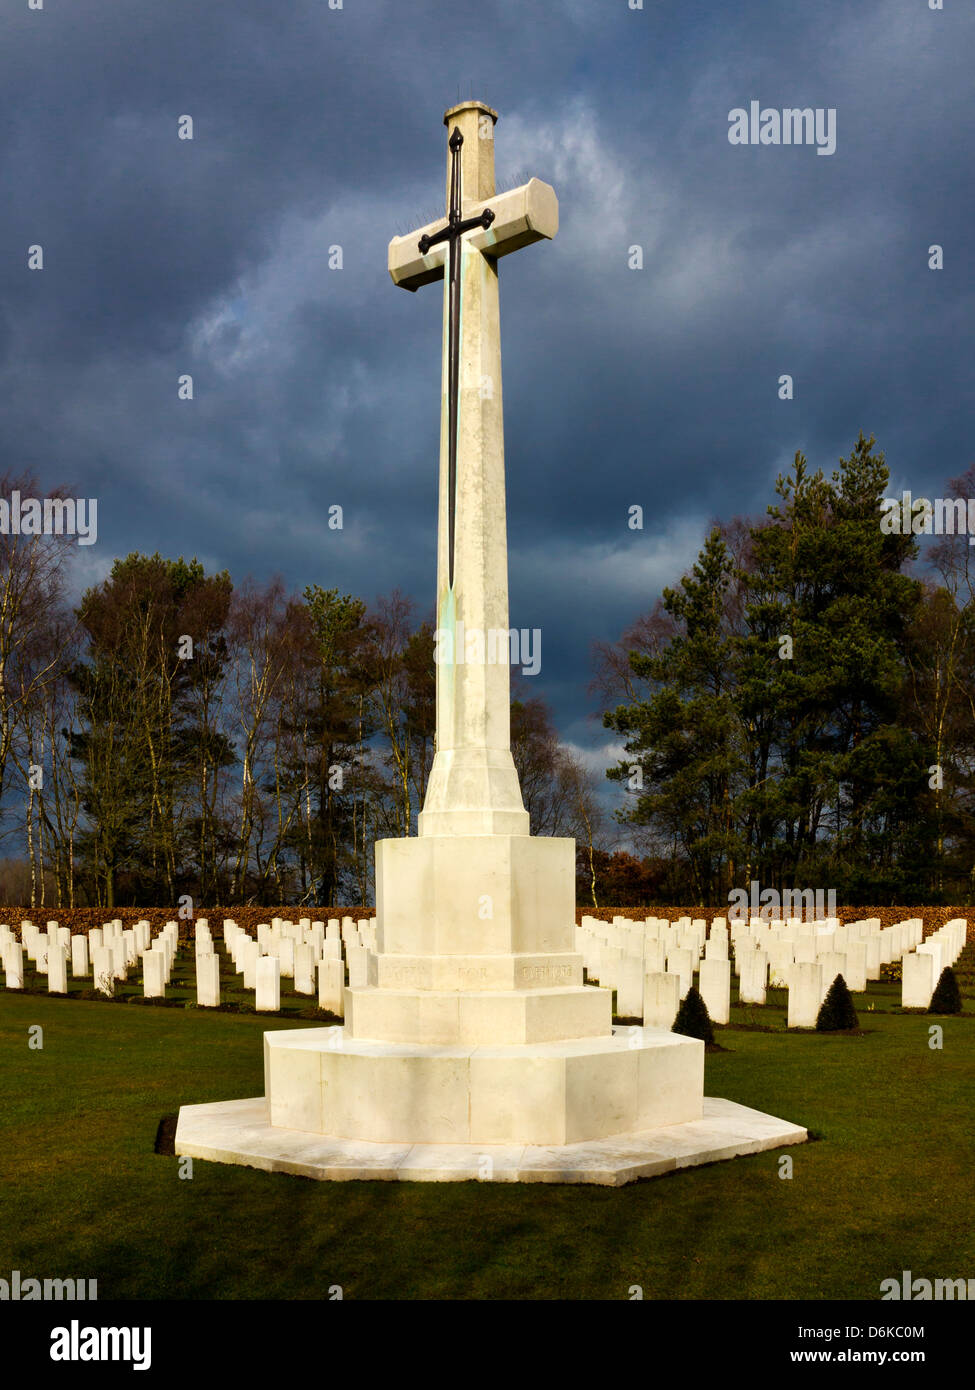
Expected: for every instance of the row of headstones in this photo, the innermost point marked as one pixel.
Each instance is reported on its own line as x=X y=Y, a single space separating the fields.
x=301 y=951
x=106 y=953
x=857 y=951
x=307 y=952
x=651 y=964
x=922 y=967
x=314 y=955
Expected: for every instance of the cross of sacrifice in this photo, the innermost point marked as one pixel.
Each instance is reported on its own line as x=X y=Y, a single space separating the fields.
x=473 y=784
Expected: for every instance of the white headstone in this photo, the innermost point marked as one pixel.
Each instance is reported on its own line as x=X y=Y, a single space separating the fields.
x=872 y=944
x=359 y=967
x=681 y=962
x=304 y=970
x=855 y=973
x=286 y=955
x=833 y=963
x=268 y=985
x=629 y=986
x=805 y=950
x=119 y=958
x=154 y=974
x=607 y=965
x=715 y=989
x=79 y=956
x=13 y=962
x=57 y=969
x=805 y=994
x=917 y=981
x=754 y=973
x=654 y=958
x=249 y=957
x=661 y=999
x=103 y=969
x=935 y=948
x=208 y=981
x=331 y=985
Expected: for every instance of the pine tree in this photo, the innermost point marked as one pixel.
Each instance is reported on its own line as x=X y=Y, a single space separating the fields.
x=693 y=1019
x=837 y=1012
x=946 y=998
x=686 y=737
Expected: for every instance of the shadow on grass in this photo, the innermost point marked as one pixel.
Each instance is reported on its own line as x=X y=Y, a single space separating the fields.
x=166 y=1136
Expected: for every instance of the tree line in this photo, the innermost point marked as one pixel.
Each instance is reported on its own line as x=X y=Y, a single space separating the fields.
x=174 y=734
x=799 y=710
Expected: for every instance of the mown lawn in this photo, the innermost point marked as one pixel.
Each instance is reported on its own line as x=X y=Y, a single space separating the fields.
x=886 y=1186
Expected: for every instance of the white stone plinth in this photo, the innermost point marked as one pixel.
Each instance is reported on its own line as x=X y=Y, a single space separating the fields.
x=238 y=1132
x=468 y=1018
x=325 y=1082
x=477 y=895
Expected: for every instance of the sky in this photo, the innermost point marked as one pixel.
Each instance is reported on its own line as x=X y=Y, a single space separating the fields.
x=316 y=126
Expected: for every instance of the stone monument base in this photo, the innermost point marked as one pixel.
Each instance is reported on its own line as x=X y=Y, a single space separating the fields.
x=565 y=1091
x=604 y=1110
x=237 y=1131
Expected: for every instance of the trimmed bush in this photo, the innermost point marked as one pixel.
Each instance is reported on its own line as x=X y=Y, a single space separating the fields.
x=837 y=1012
x=946 y=998
x=693 y=1019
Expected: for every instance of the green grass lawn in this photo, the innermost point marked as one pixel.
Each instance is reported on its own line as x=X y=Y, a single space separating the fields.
x=887 y=1185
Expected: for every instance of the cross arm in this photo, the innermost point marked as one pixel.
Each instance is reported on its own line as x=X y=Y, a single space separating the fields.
x=521 y=216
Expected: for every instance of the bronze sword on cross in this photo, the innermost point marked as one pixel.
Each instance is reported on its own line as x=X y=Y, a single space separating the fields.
x=451 y=234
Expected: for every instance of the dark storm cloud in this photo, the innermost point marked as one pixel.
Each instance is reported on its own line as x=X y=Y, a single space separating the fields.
x=317 y=127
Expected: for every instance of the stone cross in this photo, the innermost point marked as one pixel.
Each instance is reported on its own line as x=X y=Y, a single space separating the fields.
x=473 y=787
